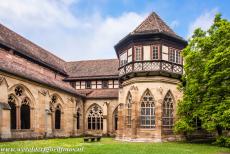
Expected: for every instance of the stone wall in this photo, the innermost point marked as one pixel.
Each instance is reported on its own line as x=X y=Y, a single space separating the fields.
x=158 y=86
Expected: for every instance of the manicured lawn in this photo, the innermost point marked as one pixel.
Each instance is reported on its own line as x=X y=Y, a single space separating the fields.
x=110 y=146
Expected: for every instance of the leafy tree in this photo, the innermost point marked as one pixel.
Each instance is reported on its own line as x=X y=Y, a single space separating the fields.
x=206 y=82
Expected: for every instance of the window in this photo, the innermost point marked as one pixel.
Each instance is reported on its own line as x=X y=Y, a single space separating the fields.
x=155 y=51
x=13 y=115
x=123 y=59
x=147 y=118
x=25 y=114
x=174 y=56
x=167 y=117
x=95 y=118
x=58 y=118
x=105 y=84
x=88 y=84
x=78 y=118
x=129 y=110
x=171 y=55
x=73 y=84
x=130 y=57
x=115 y=117
x=138 y=54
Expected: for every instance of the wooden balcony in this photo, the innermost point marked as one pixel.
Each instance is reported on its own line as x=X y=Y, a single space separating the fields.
x=153 y=66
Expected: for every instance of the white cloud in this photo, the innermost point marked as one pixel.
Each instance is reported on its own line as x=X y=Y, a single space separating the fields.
x=204 y=21
x=55 y=27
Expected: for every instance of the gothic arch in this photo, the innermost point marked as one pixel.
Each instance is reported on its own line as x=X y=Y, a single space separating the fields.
x=59 y=98
x=26 y=90
x=168 y=106
x=147 y=110
x=115 y=118
x=95 y=117
x=128 y=105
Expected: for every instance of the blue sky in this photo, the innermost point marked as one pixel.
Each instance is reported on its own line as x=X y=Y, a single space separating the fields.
x=88 y=29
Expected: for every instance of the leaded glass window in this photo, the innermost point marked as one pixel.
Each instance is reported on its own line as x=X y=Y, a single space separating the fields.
x=147 y=116
x=129 y=110
x=167 y=117
x=95 y=118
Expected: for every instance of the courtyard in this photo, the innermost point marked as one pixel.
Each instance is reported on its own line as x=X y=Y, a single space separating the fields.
x=110 y=146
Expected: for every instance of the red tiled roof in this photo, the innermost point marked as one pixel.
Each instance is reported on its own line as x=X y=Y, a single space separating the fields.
x=93 y=68
x=99 y=93
x=20 y=69
x=27 y=48
x=153 y=23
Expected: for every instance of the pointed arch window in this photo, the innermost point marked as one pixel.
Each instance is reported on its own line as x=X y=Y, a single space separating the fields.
x=167 y=117
x=129 y=110
x=95 y=118
x=147 y=117
x=115 y=118
x=25 y=114
x=13 y=115
x=78 y=118
x=58 y=117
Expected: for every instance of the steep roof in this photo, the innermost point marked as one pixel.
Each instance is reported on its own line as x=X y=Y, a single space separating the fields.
x=152 y=24
x=93 y=68
x=18 y=68
x=27 y=48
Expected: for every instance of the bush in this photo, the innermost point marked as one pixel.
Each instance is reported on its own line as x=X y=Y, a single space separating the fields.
x=223 y=141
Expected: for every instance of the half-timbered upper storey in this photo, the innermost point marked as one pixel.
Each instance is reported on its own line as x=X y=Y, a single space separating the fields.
x=151 y=49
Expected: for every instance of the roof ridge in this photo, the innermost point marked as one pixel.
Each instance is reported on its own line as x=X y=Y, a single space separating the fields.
x=91 y=60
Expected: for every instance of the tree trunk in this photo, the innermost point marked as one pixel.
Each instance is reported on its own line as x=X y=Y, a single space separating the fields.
x=219 y=130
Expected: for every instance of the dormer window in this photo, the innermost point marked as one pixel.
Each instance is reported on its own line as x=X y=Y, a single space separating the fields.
x=88 y=84
x=138 y=53
x=105 y=84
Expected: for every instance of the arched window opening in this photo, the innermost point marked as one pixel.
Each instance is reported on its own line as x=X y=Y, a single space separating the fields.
x=129 y=110
x=78 y=118
x=115 y=117
x=25 y=114
x=58 y=118
x=13 y=115
x=147 y=117
x=167 y=117
x=95 y=118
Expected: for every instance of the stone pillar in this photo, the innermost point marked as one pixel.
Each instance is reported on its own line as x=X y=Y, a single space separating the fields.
x=105 y=118
x=5 y=121
x=135 y=117
x=158 y=113
x=121 y=122
x=5 y=131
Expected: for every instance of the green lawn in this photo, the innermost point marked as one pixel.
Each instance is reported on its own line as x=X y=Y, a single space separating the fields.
x=110 y=146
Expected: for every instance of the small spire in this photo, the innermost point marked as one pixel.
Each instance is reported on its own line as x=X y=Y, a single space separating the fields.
x=152 y=24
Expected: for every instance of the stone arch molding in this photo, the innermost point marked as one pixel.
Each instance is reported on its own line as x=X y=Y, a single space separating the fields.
x=169 y=92
x=27 y=94
x=4 y=81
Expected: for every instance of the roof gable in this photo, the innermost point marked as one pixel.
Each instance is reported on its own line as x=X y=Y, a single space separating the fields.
x=152 y=24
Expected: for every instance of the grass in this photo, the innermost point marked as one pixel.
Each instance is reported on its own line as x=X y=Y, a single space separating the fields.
x=110 y=146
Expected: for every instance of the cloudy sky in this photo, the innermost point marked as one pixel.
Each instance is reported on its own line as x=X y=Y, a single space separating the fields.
x=88 y=29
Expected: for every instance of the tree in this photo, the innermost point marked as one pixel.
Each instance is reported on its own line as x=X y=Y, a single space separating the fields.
x=206 y=82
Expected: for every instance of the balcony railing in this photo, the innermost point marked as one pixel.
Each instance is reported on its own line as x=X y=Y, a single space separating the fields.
x=151 y=66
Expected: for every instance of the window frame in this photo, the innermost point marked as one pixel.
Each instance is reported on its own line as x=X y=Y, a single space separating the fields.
x=86 y=84
x=107 y=84
x=140 y=55
x=152 y=52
